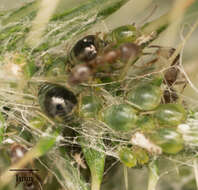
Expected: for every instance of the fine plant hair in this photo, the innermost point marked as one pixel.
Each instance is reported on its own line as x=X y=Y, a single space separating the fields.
x=36 y=42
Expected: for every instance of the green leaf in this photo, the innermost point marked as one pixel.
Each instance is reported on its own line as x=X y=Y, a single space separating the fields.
x=95 y=158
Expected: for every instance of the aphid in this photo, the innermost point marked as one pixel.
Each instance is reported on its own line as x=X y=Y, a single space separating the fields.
x=170 y=96
x=171 y=74
x=120 y=117
x=56 y=101
x=82 y=72
x=123 y=34
x=127 y=157
x=169 y=140
x=145 y=96
x=141 y=155
x=170 y=114
x=86 y=49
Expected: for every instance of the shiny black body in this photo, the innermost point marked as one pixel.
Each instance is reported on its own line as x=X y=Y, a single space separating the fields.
x=86 y=49
x=56 y=101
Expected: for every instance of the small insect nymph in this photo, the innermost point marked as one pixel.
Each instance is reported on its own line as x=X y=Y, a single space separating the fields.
x=126 y=52
x=56 y=101
x=86 y=49
x=171 y=74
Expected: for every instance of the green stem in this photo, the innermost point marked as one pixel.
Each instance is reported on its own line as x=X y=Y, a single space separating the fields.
x=195 y=166
x=153 y=175
x=126 y=177
x=95 y=182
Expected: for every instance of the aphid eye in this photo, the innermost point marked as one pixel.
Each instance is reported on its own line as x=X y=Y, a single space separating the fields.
x=56 y=101
x=86 y=49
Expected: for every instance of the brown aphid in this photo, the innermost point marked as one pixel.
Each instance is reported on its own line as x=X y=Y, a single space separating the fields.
x=171 y=74
x=129 y=51
x=82 y=72
x=79 y=74
x=170 y=96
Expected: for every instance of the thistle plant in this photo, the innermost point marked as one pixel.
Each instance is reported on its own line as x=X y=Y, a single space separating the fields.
x=76 y=100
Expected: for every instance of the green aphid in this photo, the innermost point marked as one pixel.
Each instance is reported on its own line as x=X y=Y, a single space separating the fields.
x=89 y=106
x=145 y=96
x=170 y=114
x=141 y=155
x=123 y=34
x=120 y=117
x=169 y=140
x=127 y=157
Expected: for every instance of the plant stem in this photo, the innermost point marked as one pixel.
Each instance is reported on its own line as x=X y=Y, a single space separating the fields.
x=195 y=166
x=153 y=176
x=126 y=178
x=95 y=183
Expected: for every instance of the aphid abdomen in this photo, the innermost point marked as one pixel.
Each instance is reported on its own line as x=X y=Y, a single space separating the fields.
x=170 y=75
x=56 y=101
x=129 y=51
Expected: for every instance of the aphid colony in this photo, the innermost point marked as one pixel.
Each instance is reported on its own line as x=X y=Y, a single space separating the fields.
x=148 y=104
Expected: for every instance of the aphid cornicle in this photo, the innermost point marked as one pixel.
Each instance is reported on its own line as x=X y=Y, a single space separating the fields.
x=56 y=101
